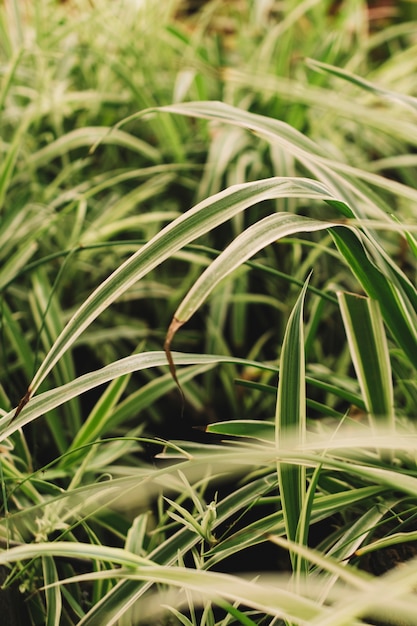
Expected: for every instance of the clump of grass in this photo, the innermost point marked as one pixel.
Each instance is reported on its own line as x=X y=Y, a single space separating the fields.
x=298 y=254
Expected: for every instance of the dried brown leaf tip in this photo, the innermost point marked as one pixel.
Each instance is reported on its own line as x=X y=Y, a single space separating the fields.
x=23 y=402
x=173 y=327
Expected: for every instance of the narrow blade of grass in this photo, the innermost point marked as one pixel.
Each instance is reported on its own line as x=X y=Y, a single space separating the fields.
x=396 y=296
x=369 y=351
x=403 y=99
x=290 y=419
x=52 y=592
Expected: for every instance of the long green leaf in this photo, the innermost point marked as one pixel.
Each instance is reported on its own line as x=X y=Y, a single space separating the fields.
x=84 y=137
x=52 y=592
x=397 y=298
x=405 y=100
x=53 y=398
x=290 y=419
x=369 y=351
x=244 y=246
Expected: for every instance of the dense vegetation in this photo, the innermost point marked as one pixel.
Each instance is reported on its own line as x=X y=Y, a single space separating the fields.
x=208 y=314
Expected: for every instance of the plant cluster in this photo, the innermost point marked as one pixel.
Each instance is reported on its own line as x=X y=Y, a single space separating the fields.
x=208 y=315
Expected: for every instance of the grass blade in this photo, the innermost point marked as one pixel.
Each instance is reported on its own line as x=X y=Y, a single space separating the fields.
x=396 y=296
x=290 y=419
x=52 y=592
x=369 y=351
x=405 y=100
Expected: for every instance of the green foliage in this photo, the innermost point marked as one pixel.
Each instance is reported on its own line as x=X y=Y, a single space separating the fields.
x=288 y=290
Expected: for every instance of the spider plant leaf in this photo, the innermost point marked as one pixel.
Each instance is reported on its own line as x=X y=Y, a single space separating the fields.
x=369 y=351
x=396 y=296
x=52 y=592
x=53 y=398
x=251 y=429
x=290 y=420
x=244 y=246
x=403 y=99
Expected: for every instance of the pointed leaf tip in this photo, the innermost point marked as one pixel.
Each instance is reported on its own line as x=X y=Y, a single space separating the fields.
x=173 y=327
